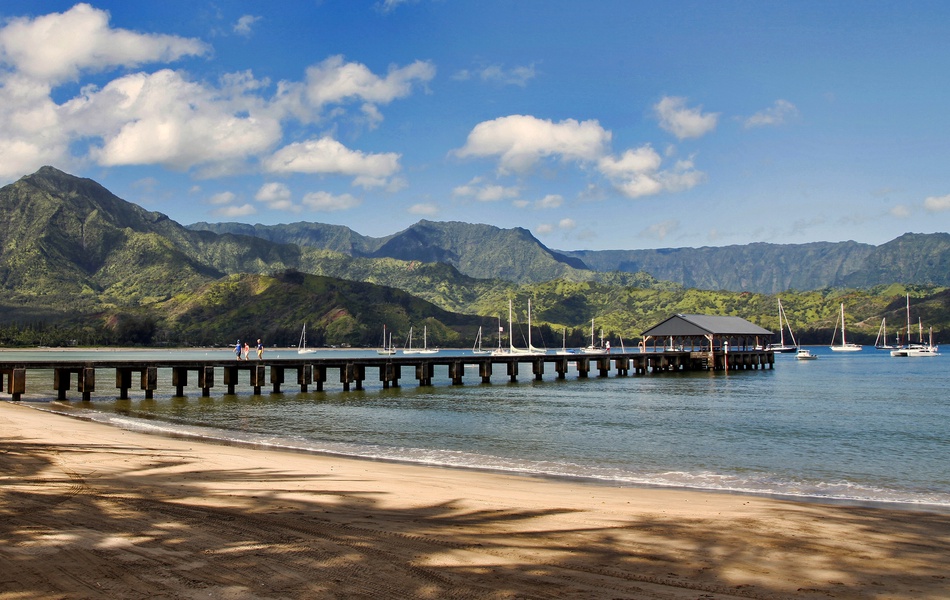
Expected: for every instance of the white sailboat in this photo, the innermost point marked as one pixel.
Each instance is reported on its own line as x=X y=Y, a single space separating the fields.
x=781 y=345
x=920 y=349
x=880 y=342
x=477 y=347
x=387 y=347
x=512 y=349
x=302 y=344
x=593 y=348
x=425 y=345
x=565 y=351
x=845 y=346
x=530 y=349
x=502 y=351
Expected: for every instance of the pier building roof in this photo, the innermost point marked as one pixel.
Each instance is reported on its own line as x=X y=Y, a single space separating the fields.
x=702 y=325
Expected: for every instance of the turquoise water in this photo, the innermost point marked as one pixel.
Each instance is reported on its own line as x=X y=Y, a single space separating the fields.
x=858 y=426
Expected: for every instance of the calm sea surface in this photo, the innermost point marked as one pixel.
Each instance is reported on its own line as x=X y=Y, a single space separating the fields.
x=859 y=426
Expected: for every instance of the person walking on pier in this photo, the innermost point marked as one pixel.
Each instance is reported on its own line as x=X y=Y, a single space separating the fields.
x=245 y=351
x=260 y=350
x=237 y=350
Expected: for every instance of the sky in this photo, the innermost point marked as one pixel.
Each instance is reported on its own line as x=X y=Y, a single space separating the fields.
x=596 y=124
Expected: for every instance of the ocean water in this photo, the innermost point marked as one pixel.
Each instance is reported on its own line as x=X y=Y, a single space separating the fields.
x=862 y=427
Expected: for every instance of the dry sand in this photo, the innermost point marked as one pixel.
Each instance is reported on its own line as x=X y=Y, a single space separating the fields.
x=90 y=511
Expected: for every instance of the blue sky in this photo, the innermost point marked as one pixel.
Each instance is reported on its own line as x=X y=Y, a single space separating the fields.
x=595 y=125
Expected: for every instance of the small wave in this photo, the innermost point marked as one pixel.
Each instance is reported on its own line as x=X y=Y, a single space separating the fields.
x=749 y=483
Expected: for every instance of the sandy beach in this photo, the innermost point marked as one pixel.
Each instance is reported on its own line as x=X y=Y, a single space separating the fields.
x=90 y=511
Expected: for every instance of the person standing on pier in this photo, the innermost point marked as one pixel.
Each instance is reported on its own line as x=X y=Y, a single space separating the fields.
x=260 y=350
x=237 y=350
x=245 y=351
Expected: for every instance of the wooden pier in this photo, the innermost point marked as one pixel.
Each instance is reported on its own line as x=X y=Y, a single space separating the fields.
x=312 y=371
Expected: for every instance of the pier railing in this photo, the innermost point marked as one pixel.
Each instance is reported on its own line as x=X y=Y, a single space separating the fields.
x=312 y=371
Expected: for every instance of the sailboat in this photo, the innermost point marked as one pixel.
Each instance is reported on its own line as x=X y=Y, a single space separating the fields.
x=302 y=344
x=781 y=345
x=593 y=349
x=919 y=349
x=565 y=351
x=845 y=346
x=511 y=343
x=425 y=346
x=387 y=347
x=477 y=347
x=880 y=342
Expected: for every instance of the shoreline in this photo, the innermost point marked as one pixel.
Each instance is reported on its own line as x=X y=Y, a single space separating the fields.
x=121 y=512
x=566 y=478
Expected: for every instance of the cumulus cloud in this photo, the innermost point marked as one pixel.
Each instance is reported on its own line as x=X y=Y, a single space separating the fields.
x=520 y=141
x=684 y=122
x=244 y=24
x=562 y=225
x=235 y=211
x=276 y=196
x=478 y=189
x=58 y=46
x=937 y=203
x=327 y=202
x=327 y=156
x=426 y=209
x=336 y=81
x=637 y=173
x=161 y=118
x=550 y=201
x=166 y=118
x=222 y=198
x=777 y=114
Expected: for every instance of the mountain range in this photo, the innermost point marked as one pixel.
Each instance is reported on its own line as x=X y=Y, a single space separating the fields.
x=79 y=263
x=484 y=251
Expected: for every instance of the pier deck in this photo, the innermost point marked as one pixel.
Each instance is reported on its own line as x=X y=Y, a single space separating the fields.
x=307 y=371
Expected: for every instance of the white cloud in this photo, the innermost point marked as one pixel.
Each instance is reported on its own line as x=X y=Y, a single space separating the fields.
x=522 y=140
x=659 y=231
x=222 y=198
x=334 y=81
x=276 y=196
x=498 y=74
x=637 y=173
x=327 y=202
x=563 y=225
x=684 y=122
x=550 y=201
x=235 y=211
x=243 y=25
x=161 y=118
x=485 y=192
x=900 y=211
x=327 y=156
x=272 y=192
x=58 y=46
x=426 y=209
x=937 y=203
x=777 y=114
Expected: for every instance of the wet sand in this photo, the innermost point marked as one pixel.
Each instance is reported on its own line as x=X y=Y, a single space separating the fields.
x=91 y=511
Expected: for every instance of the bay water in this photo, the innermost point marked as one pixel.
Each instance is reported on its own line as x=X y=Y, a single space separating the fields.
x=857 y=427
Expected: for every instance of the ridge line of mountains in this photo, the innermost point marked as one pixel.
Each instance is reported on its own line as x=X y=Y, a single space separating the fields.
x=485 y=252
x=69 y=248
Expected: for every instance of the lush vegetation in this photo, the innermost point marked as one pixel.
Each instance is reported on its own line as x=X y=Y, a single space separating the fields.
x=81 y=266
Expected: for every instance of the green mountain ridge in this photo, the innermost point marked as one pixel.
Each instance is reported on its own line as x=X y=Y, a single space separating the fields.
x=79 y=264
x=484 y=251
